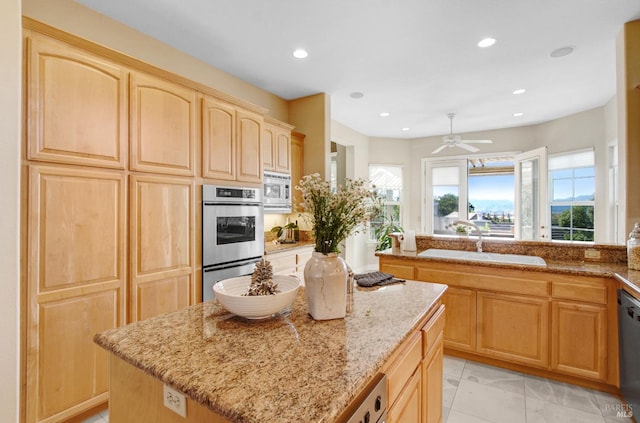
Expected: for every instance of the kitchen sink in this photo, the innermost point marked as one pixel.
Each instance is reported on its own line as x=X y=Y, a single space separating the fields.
x=483 y=257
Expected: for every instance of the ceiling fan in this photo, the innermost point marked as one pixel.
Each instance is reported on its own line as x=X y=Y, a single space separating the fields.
x=452 y=140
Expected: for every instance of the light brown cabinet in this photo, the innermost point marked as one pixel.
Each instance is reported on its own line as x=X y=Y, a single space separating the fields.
x=77 y=110
x=297 y=166
x=557 y=323
x=460 y=330
x=414 y=374
x=163 y=126
x=231 y=142
x=111 y=151
x=75 y=284
x=162 y=245
x=513 y=328
x=276 y=146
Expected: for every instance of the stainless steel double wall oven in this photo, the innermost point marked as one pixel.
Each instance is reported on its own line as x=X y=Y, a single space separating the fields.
x=232 y=233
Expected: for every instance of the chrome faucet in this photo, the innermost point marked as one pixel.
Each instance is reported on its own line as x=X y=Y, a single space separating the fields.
x=474 y=226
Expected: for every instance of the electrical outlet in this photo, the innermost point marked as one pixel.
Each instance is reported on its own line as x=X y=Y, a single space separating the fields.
x=591 y=253
x=175 y=401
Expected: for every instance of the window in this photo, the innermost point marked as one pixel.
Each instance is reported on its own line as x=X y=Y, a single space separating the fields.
x=387 y=180
x=485 y=184
x=572 y=196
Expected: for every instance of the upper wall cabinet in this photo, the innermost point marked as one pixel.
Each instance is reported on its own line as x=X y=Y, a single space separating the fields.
x=163 y=126
x=76 y=105
x=231 y=142
x=276 y=146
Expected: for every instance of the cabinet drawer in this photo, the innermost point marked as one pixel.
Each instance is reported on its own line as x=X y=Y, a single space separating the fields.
x=404 y=366
x=432 y=330
x=398 y=270
x=580 y=289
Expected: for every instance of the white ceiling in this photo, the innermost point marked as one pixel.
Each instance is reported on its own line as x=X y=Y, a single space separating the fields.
x=415 y=59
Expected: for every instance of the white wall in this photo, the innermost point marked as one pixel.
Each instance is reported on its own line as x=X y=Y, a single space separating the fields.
x=10 y=107
x=592 y=128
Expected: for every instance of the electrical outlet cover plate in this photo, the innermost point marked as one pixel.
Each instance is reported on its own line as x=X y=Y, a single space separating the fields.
x=591 y=253
x=174 y=401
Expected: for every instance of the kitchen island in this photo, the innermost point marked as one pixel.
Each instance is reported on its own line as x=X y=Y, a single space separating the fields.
x=288 y=368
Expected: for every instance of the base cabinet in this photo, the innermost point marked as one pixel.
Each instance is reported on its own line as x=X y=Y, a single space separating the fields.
x=408 y=408
x=579 y=336
x=513 y=328
x=549 y=323
x=460 y=332
x=414 y=376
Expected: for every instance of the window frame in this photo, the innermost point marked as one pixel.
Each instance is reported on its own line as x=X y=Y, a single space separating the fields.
x=399 y=203
x=573 y=202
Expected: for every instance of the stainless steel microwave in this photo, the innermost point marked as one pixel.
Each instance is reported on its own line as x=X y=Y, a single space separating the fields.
x=277 y=192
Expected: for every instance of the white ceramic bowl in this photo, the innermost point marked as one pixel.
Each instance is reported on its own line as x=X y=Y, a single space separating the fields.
x=229 y=293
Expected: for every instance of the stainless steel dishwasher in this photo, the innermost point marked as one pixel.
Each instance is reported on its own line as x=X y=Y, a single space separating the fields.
x=629 y=344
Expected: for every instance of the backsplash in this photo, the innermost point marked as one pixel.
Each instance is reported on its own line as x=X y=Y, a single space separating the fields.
x=562 y=251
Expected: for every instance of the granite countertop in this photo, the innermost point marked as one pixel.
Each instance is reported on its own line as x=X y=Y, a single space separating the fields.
x=289 y=368
x=630 y=279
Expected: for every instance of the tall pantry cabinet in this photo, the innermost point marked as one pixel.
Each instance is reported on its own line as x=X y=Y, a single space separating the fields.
x=109 y=209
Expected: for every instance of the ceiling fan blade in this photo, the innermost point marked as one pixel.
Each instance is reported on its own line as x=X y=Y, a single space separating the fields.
x=467 y=147
x=439 y=149
x=478 y=141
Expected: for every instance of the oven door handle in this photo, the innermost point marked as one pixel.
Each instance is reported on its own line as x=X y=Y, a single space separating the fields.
x=231 y=264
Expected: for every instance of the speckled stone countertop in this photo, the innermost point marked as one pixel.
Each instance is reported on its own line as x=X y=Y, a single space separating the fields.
x=289 y=368
x=560 y=257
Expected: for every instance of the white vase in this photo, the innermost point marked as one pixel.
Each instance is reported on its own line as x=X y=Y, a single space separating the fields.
x=325 y=279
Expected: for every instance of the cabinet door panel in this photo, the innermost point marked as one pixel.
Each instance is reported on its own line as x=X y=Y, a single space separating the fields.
x=218 y=140
x=75 y=286
x=297 y=166
x=408 y=407
x=76 y=104
x=162 y=237
x=76 y=227
x=432 y=376
x=72 y=369
x=269 y=148
x=249 y=147
x=579 y=339
x=513 y=328
x=163 y=122
x=283 y=151
x=460 y=312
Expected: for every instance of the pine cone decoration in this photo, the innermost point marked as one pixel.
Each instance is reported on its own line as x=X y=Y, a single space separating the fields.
x=262 y=280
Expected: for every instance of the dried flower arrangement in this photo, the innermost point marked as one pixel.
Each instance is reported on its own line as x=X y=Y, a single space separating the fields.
x=334 y=215
x=262 y=280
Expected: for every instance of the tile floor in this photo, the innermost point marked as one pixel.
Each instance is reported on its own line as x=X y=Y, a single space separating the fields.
x=476 y=393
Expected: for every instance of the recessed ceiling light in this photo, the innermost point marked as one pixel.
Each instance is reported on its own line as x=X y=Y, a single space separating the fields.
x=384 y=114
x=300 y=53
x=406 y=129
x=356 y=94
x=562 y=51
x=518 y=114
x=519 y=91
x=487 y=42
